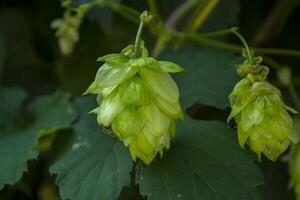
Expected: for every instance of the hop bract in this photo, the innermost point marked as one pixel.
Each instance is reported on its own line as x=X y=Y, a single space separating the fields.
x=261 y=116
x=140 y=101
x=295 y=169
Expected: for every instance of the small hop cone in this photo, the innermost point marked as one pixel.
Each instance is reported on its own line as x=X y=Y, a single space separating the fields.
x=140 y=101
x=67 y=29
x=261 y=116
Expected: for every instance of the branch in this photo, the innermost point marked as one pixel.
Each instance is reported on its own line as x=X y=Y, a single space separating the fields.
x=202 y=40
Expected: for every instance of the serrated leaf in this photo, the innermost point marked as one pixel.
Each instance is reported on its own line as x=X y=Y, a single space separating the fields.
x=15 y=145
x=205 y=162
x=209 y=75
x=95 y=165
x=16 y=148
x=52 y=112
x=18 y=144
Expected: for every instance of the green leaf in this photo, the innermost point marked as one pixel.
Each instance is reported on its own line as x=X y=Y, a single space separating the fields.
x=52 y=113
x=95 y=165
x=18 y=144
x=16 y=148
x=209 y=75
x=205 y=162
x=10 y=104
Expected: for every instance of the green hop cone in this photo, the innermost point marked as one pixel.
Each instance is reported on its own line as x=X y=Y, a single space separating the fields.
x=294 y=165
x=139 y=100
x=261 y=116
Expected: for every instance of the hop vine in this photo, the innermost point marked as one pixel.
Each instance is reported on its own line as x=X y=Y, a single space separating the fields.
x=138 y=99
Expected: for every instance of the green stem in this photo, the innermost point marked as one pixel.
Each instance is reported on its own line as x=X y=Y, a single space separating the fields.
x=145 y=17
x=126 y=11
x=137 y=44
x=217 y=33
x=201 y=40
x=248 y=51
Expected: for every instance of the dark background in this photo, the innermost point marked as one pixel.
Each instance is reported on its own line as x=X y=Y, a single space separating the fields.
x=30 y=58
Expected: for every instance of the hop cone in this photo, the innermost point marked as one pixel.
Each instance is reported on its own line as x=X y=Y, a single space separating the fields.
x=139 y=100
x=67 y=29
x=261 y=116
x=295 y=169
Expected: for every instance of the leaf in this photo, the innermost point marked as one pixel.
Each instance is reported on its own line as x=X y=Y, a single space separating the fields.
x=205 y=162
x=10 y=104
x=52 y=112
x=209 y=75
x=16 y=148
x=18 y=144
x=95 y=165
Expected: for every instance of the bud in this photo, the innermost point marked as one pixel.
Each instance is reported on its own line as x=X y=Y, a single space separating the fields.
x=295 y=169
x=139 y=100
x=261 y=116
x=67 y=29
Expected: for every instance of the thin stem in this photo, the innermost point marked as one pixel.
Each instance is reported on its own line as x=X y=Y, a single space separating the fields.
x=126 y=11
x=248 y=51
x=145 y=17
x=201 y=40
x=217 y=33
x=137 y=44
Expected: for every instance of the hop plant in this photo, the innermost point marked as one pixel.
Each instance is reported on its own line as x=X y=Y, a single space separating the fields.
x=68 y=27
x=260 y=114
x=139 y=100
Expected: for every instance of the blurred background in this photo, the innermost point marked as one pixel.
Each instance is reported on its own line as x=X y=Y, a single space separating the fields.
x=30 y=59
